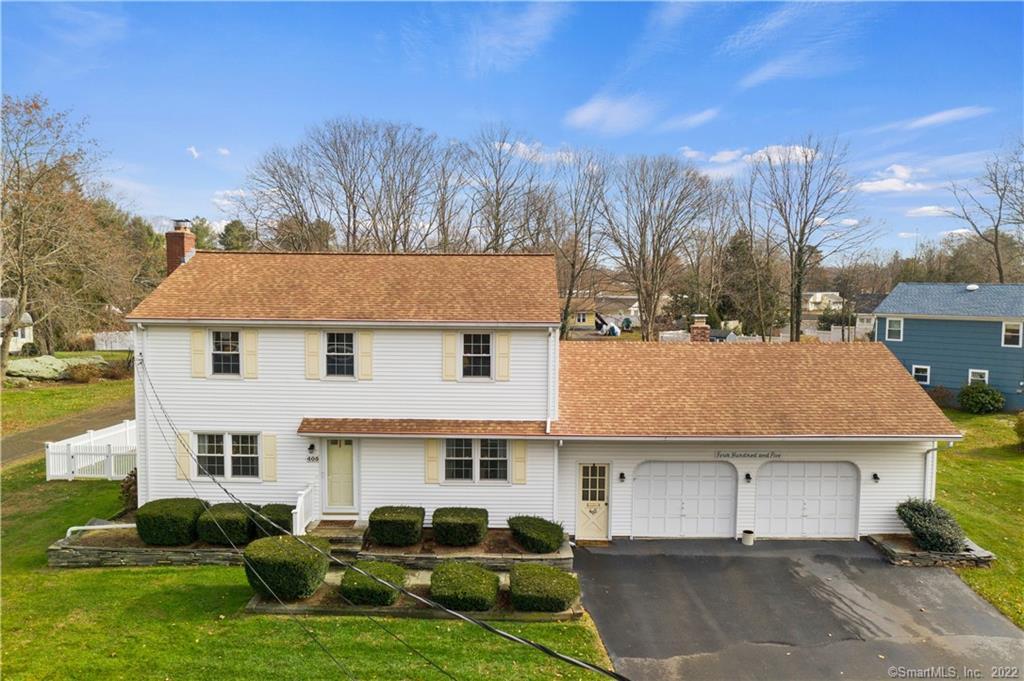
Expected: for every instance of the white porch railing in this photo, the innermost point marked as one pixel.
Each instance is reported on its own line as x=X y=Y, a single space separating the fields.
x=108 y=454
x=303 y=514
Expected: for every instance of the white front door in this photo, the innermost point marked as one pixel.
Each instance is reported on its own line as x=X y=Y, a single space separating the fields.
x=807 y=499
x=340 y=475
x=684 y=499
x=592 y=501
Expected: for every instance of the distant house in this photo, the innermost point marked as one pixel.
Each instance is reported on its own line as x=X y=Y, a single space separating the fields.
x=864 y=305
x=23 y=334
x=953 y=334
x=723 y=336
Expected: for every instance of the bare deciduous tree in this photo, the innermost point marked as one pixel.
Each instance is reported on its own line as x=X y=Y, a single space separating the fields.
x=757 y=288
x=651 y=209
x=498 y=181
x=704 y=249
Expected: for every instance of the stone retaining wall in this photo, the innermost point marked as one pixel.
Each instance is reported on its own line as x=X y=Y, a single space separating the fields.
x=67 y=554
x=973 y=556
x=501 y=562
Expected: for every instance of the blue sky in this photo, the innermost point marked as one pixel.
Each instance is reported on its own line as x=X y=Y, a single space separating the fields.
x=185 y=96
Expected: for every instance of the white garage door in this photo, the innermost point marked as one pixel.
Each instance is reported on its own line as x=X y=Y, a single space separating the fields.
x=807 y=500
x=684 y=499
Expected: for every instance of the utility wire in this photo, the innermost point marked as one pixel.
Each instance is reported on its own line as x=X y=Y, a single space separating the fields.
x=253 y=513
x=583 y=664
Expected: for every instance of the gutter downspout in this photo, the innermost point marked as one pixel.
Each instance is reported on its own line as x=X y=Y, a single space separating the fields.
x=141 y=429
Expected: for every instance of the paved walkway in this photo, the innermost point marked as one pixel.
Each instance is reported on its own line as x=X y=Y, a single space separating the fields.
x=29 y=442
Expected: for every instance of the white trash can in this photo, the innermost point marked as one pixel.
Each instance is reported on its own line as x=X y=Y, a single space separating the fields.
x=748 y=537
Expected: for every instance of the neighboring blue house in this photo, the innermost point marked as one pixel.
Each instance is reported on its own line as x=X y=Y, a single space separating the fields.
x=953 y=334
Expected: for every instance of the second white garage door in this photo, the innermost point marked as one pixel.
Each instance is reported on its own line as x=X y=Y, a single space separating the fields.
x=807 y=499
x=684 y=499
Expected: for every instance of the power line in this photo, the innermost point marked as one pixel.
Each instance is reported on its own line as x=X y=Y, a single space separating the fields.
x=400 y=588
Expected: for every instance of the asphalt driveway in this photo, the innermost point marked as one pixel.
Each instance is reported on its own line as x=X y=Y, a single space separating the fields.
x=696 y=609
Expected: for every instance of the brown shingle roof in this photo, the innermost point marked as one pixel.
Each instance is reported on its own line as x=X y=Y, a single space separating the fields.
x=420 y=427
x=358 y=287
x=716 y=390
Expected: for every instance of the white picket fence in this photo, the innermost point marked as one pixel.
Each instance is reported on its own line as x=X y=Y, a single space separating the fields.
x=107 y=454
x=114 y=340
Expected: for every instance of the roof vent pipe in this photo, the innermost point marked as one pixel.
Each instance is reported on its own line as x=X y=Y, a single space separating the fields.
x=972 y=287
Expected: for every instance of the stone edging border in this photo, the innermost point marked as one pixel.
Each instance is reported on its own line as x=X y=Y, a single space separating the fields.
x=974 y=556
x=501 y=562
x=66 y=553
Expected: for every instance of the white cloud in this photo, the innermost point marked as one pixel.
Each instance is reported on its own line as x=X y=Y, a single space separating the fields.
x=927 y=212
x=611 y=115
x=692 y=154
x=781 y=152
x=958 y=232
x=948 y=116
x=807 y=63
x=763 y=31
x=224 y=199
x=907 y=235
x=849 y=222
x=193 y=151
x=726 y=155
x=688 y=121
x=536 y=152
x=504 y=38
x=895 y=178
x=223 y=151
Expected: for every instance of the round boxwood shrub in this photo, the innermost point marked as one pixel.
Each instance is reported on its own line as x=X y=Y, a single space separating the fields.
x=396 y=525
x=169 y=522
x=934 y=528
x=280 y=514
x=536 y=534
x=224 y=524
x=980 y=398
x=542 y=588
x=359 y=589
x=464 y=586
x=454 y=526
x=290 y=569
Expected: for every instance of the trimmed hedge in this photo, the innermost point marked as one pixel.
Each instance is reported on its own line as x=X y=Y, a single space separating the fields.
x=279 y=513
x=934 y=528
x=224 y=524
x=289 y=569
x=542 y=588
x=361 y=590
x=169 y=522
x=454 y=526
x=396 y=525
x=980 y=398
x=536 y=534
x=464 y=586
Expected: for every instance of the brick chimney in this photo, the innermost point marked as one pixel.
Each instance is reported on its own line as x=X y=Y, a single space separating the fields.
x=181 y=244
x=700 y=332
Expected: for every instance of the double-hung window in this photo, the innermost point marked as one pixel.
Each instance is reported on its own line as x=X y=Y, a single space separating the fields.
x=977 y=376
x=226 y=354
x=467 y=460
x=476 y=355
x=341 y=357
x=922 y=374
x=1012 y=333
x=581 y=317
x=894 y=329
x=228 y=455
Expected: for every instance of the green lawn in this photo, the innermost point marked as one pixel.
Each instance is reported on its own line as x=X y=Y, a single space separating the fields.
x=981 y=480
x=177 y=623
x=25 y=408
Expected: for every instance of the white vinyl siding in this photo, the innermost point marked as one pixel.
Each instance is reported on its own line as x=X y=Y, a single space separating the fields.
x=894 y=329
x=900 y=466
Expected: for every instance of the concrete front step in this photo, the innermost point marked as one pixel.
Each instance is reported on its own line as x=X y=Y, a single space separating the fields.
x=341 y=534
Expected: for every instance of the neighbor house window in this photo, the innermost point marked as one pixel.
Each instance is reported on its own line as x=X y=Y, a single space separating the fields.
x=581 y=317
x=922 y=374
x=1012 y=334
x=977 y=376
x=228 y=455
x=476 y=460
x=458 y=459
x=894 y=329
x=476 y=355
x=341 y=358
x=227 y=354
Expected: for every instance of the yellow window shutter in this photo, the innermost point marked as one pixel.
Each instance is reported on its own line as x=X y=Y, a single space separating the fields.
x=518 y=462
x=269 y=468
x=250 y=353
x=502 y=342
x=432 y=461
x=183 y=462
x=450 y=351
x=364 y=346
x=198 y=337
x=313 y=355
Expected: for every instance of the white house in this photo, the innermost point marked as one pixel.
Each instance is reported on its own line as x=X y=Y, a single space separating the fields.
x=437 y=380
x=23 y=332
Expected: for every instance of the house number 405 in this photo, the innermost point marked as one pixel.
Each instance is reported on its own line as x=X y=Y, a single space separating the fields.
x=312 y=458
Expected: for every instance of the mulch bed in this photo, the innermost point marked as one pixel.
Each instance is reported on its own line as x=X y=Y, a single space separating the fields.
x=129 y=539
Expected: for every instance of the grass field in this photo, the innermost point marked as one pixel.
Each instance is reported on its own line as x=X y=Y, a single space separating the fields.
x=177 y=623
x=26 y=408
x=981 y=480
